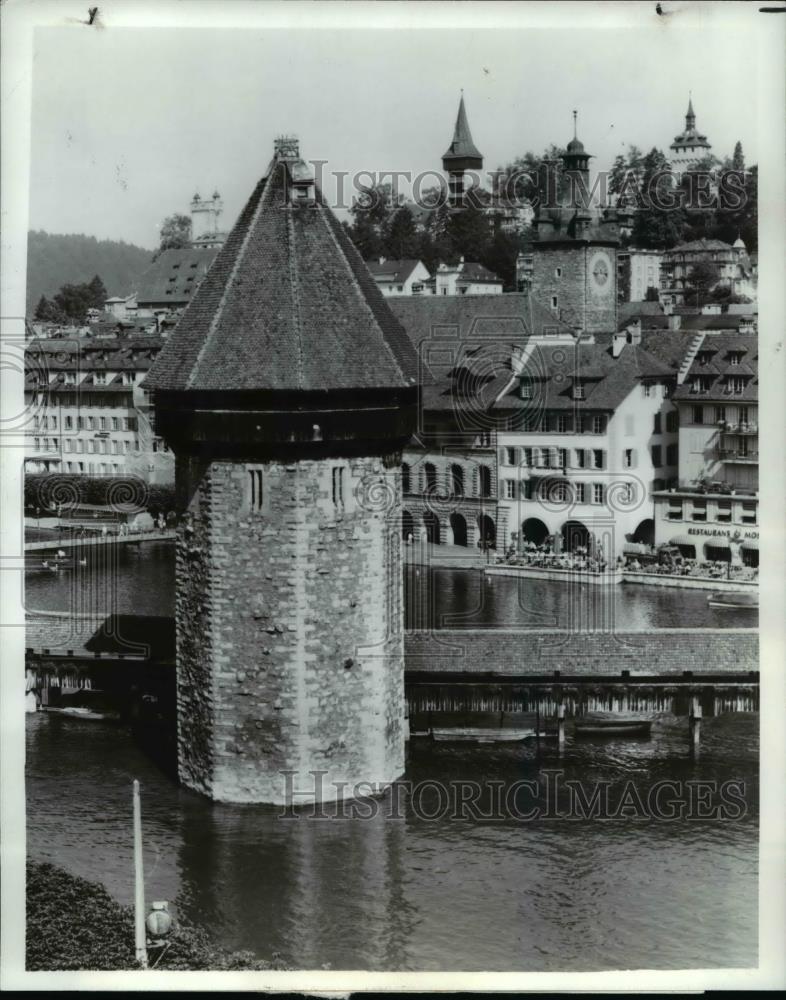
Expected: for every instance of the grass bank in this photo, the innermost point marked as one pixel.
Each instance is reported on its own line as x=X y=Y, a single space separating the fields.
x=75 y=925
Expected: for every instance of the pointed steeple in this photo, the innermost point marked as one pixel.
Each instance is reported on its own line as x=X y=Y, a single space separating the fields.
x=462 y=148
x=690 y=117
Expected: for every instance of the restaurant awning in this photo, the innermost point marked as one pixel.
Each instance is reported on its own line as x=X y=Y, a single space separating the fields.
x=719 y=542
x=750 y=544
x=683 y=540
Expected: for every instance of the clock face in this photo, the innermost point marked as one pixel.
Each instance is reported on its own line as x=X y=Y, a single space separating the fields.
x=600 y=271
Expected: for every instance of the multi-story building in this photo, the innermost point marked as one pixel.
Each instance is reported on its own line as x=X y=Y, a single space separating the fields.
x=638 y=271
x=713 y=511
x=734 y=268
x=399 y=277
x=169 y=284
x=88 y=413
x=450 y=468
x=590 y=433
x=465 y=278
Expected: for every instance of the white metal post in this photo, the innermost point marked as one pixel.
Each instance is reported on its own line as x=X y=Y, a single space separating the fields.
x=139 y=883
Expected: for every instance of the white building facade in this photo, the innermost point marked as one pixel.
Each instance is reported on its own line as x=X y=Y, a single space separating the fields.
x=591 y=435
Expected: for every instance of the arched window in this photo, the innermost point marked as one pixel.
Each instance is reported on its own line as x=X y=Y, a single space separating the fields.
x=484 y=480
x=406 y=480
x=430 y=473
x=457 y=480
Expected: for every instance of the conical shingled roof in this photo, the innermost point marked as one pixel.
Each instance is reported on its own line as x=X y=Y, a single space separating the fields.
x=287 y=305
x=462 y=145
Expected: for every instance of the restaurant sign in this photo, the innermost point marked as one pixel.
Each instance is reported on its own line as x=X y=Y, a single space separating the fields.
x=736 y=536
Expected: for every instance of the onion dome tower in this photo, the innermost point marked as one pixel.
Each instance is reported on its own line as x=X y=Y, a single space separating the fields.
x=287 y=392
x=462 y=155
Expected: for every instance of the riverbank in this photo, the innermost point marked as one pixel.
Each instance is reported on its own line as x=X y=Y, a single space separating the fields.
x=75 y=925
x=613 y=577
x=583 y=576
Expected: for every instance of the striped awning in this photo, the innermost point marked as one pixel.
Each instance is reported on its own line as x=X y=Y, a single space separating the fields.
x=719 y=542
x=750 y=544
x=683 y=540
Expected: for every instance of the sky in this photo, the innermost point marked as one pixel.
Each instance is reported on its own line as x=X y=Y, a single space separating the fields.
x=128 y=123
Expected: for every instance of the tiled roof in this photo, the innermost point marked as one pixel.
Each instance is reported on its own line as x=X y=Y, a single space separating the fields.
x=630 y=310
x=397 y=271
x=478 y=274
x=719 y=368
x=608 y=379
x=447 y=320
x=462 y=145
x=465 y=343
x=699 y=245
x=174 y=276
x=288 y=305
x=145 y=636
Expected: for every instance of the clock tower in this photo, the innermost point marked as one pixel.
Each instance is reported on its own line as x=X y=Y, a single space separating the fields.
x=575 y=250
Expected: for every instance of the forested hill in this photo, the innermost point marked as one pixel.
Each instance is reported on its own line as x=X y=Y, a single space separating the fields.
x=55 y=260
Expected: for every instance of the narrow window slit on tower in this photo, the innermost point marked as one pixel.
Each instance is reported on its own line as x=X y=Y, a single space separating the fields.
x=255 y=485
x=338 y=486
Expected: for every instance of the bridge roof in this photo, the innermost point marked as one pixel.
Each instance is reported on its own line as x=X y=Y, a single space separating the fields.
x=147 y=637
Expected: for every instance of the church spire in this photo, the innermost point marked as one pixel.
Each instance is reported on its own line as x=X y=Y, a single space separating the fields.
x=462 y=147
x=690 y=117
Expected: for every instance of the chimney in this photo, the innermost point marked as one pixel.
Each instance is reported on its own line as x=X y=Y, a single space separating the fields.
x=634 y=332
x=618 y=341
x=675 y=321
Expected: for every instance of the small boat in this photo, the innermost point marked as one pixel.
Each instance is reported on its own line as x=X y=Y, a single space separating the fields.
x=80 y=712
x=613 y=727
x=734 y=599
x=477 y=734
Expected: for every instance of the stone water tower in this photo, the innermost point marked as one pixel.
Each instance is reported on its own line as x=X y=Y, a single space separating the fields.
x=287 y=392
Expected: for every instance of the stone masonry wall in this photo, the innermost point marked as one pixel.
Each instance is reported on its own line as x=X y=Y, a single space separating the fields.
x=577 y=301
x=289 y=623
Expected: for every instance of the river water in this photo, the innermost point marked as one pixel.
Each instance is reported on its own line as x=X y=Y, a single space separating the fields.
x=412 y=893
x=141 y=579
x=400 y=890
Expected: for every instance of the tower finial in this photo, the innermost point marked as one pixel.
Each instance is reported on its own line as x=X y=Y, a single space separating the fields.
x=575 y=116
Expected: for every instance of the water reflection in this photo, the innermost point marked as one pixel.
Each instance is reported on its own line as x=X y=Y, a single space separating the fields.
x=418 y=893
x=141 y=580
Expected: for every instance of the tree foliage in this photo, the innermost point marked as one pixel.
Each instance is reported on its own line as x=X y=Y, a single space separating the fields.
x=703 y=277
x=43 y=491
x=382 y=226
x=175 y=233
x=56 y=260
x=71 y=303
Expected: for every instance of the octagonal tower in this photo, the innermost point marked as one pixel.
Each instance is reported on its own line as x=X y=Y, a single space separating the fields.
x=287 y=392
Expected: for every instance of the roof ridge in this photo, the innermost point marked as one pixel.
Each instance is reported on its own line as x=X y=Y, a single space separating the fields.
x=294 y=278
x=266 y=193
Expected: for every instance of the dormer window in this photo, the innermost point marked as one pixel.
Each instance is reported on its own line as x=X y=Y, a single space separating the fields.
x=578 y=390
x=735 y=357
x=525 y=390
